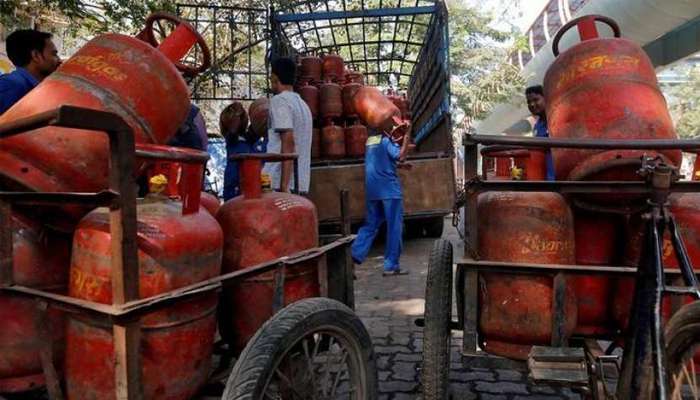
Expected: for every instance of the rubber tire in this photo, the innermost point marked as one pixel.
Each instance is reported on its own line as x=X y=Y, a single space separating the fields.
x=682 y=332
x=434 y=227
x=253 y=368
x=438 y=314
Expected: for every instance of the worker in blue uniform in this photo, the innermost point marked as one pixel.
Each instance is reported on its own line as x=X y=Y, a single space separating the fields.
x=536 y=105
x=35 y=56
x=233 y=122
x=384 y=201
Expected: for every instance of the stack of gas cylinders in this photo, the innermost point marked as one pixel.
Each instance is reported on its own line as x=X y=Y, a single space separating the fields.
x=601 y=88
x=183 y=236
x=340 y=122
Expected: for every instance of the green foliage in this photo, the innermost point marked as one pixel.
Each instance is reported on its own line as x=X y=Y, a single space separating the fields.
x=481 y=74
x=83 y=17
x=685 y=104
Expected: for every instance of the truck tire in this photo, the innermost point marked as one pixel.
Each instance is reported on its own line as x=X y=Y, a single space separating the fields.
x=282 y=346
x=434 y=227
x=438 y=314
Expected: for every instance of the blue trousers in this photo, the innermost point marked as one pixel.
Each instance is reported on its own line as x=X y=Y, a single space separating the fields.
x=378 y=211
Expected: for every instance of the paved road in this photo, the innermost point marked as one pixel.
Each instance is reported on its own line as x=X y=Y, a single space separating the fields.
x=389 y=306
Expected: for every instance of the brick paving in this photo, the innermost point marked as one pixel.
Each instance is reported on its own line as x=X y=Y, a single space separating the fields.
x=389 y=306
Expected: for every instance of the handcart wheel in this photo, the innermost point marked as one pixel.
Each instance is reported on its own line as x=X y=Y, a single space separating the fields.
x=438 y=314
x=312 y=349
x=682 y=342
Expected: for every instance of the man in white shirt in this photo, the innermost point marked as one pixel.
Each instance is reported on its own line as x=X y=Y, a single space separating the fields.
x=289 y=129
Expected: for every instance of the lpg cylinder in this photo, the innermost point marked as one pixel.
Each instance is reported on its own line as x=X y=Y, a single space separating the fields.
x=179 y=244
x=333 y=68
x=309 y=94
x=597 y=239
x=349 y=90
x=112 y=72
x=686 y=210
x=331 y=100
x=516 y=309
x=311 y=68
x=356 y=140
x=258 y=114
x=376 y=110
x=41 y=258
x=316 y=143
x=333 y=141
x=352 y=76
x=616 y=81
x=530 y=163
x=260 y=226
x=210 y=202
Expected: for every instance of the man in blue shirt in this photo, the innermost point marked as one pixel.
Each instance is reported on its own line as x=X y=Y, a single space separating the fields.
x=35 y=56
x=233 y=122
x=384 y=201
x=537 y=107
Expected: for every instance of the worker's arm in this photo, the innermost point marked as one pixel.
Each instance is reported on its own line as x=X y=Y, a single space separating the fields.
x=287 y=138
x=405 y=147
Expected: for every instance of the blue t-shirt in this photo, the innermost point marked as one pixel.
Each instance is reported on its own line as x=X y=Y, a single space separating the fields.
x=381 y=180
x=14 y=86
x=541 y=131
x=232 y=182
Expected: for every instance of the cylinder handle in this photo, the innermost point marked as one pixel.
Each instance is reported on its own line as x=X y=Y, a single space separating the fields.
x=178 y=43
x=586 y=28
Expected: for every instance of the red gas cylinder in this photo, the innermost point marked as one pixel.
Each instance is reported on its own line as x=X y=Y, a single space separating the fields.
x=41 y=260
x=260 y=226
x=686 y=210
x=333 y=68
x=309 y=94
x=258 y=113
x=355 y=140
x=333 y=141
x=178 y=244
x=400 y=102
x=376 y=110
x=316 y=143
x=331 y=100
x=311 y=68
x=516 y=310
x=349 y=90
x=352 y=76
x=210 y=202
x=530 y=164
x=597 y=239
x=617 y=82
x=111 y=72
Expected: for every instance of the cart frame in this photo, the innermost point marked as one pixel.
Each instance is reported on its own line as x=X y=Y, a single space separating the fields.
x=645 y=324
x=334 y=266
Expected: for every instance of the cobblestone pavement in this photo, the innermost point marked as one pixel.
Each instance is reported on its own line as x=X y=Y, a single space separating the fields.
x=389 y=307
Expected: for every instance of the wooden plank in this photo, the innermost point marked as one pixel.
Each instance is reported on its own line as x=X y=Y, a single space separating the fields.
x=278 y=290
x=127 y=360
x=125 y=267
x=323 y=283
x=427 y=187
x=53 y=383
x=558 y=311
x=348 y=265
x=471 y=311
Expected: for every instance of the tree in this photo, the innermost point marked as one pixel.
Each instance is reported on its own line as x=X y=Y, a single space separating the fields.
x=482 y=75
x=684 y=103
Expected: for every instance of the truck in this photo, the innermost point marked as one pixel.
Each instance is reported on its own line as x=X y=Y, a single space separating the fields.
x=396 y=47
